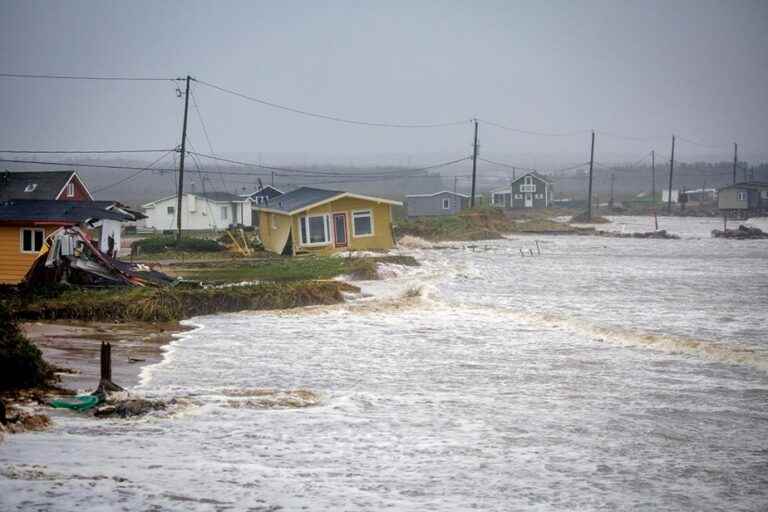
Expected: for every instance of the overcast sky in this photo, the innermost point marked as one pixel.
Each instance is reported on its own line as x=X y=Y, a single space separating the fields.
x=646 y=69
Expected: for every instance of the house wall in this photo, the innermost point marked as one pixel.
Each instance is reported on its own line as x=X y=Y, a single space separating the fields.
x=198 y=214
x=433 y=205
x=15 y=264
x=274 y=230
x=274 y=236
x=539 y=196
x=80 y=193
x=728 y=199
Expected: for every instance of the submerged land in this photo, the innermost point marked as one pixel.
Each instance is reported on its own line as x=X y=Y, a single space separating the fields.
x=60 y=329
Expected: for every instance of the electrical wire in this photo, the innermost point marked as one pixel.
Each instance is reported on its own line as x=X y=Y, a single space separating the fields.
x=81 y=77
x=324 y=173
x=134 y=175
x=531 y=132
x=329 y=117
x=83 y=152
x=205 y=130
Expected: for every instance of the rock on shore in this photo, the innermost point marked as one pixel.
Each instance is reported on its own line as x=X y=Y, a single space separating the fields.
x=742 y=233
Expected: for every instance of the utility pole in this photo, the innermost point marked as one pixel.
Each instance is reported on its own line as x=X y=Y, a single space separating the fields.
x=514 y=174
x=474 y=169
x=653 y=188
x=589 y=191
x=671 y=171
x=273 y=178
x=180 y=192
x=455 y=184
x=610 y=201
x=735 y=160
x=653 y=177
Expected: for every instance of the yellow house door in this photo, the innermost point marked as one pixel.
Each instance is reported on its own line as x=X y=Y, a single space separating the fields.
x=340 y=229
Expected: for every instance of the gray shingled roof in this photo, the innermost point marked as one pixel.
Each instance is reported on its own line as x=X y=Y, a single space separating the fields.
x=32 y=210
x=300 y=198
x=535 y=174
x=47 y=184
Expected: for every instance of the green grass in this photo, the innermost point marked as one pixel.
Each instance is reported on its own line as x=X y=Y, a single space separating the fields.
x=291 y=269
x=158 y=244
x=172 y=304
x=485 y=223
x=187 y=256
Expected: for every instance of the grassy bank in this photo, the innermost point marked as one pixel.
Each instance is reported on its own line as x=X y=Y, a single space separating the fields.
x=285 y=269
x=172 y=304
x=482 y=224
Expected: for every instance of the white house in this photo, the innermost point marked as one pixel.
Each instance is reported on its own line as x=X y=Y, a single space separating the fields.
x=199 y=211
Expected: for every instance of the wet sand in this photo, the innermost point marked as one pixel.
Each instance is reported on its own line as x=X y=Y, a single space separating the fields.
x=76 y=346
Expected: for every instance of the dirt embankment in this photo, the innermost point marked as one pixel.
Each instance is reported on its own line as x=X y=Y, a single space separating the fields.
x=485 y=224
x=173 y=304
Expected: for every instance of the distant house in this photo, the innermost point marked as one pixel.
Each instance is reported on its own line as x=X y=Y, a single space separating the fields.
x=530 y=190
x=199 y=211
x=312 y=220
x=264 y=195
x=54 y=185
x=750 y=197
x=25 y=224
x=439 y=203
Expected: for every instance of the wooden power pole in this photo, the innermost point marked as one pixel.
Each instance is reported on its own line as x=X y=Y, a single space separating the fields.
x=474 y=169
x=180 y=192
x=589 y=189
x=653 y=189
x=653 y=177
x=735 y=160
x=613 y=179
x=671 y=171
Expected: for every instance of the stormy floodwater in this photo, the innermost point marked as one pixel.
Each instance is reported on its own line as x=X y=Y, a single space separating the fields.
x=602 y=374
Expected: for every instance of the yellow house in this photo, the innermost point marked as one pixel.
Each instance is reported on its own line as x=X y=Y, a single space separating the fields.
x=316 y=221
x=26 y=223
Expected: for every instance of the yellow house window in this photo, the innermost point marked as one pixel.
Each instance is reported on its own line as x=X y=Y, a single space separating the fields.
x=32 y=240
x=315 y=230
x=362 y=223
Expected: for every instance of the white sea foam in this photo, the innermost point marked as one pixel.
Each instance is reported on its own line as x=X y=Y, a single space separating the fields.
x=604 y=374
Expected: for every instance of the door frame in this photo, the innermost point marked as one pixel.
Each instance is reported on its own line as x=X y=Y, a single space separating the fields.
x=529 y=199
x=343 y=215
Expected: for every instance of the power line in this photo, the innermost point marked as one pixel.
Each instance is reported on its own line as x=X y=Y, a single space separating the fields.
x=134 y=175
x=76 y=164
x=89 y=152
x=710 y=146
x=82 y=77
x=205 y=130
x=323 y=173
x=329 y=117
x=530 y=132
x=235 y=173
x=503 y=164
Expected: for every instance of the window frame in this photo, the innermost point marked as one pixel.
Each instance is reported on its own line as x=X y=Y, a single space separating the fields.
x=446 y=203
x=70 y=189
x=224 y=213
x=741 y=195
x=369 y=211
x=170 y=210
x=21 y=240
x=304 y=219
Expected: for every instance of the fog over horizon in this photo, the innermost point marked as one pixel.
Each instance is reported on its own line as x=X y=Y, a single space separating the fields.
x=636 y=72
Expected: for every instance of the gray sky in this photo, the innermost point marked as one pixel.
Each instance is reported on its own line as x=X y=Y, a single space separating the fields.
x=695 y=68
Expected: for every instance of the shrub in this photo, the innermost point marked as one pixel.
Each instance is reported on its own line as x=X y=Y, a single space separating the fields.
x=21 y=362
x=159 y=244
